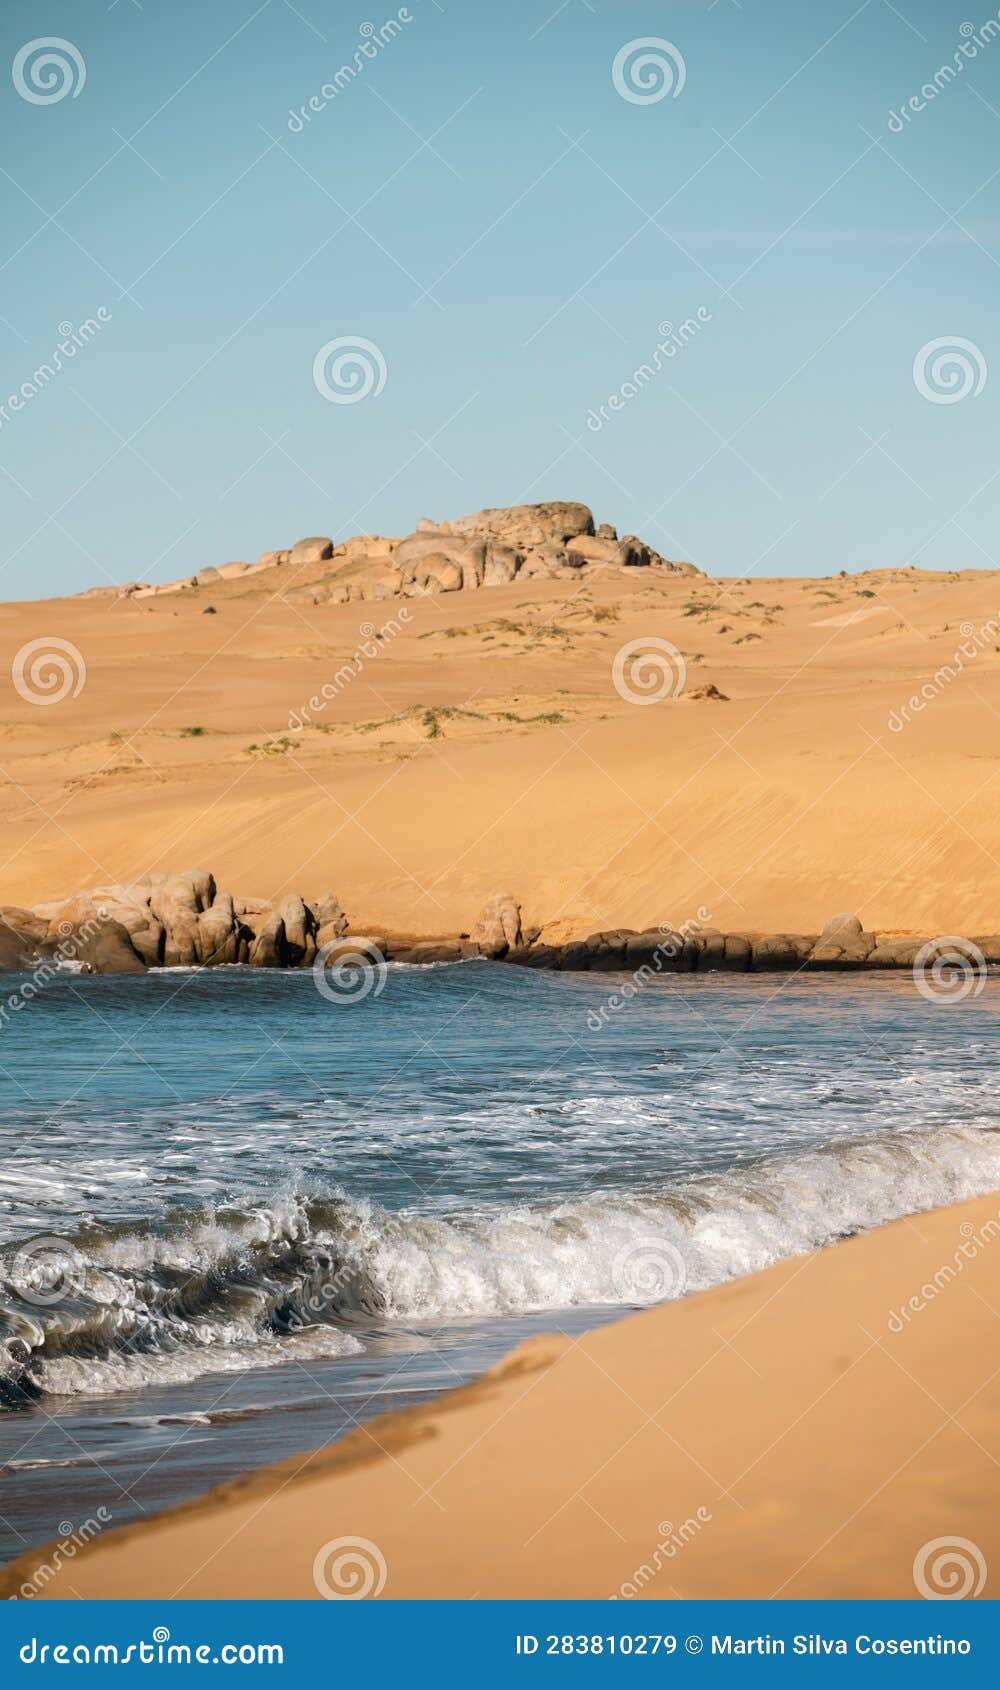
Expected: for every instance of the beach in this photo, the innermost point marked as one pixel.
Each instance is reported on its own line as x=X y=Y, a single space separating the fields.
x=500 y=841
x=827 y=1428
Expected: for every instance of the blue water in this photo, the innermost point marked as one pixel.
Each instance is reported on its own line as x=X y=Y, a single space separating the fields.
x=235 y=1217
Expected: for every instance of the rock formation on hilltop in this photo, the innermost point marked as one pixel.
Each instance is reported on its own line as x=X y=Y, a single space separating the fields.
x=553 y=541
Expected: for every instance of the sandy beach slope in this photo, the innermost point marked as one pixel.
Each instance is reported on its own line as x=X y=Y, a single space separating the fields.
x=487 y=747
x=788 y=1435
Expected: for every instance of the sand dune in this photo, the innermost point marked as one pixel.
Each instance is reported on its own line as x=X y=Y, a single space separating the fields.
x=487 y=745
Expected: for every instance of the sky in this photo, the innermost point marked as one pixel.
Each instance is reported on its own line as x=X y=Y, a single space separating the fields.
x=498 y=210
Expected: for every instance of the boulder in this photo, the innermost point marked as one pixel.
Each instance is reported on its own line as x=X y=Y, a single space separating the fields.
x=314 y=550
x=219 y=933
x=17 y=951
x=206 y=576
x=268 y=947
x=327 y=913
x=573 y=958
x=366 y=548
x=177 y=900
x=535 y=956
x=432 y=548
x=107 y=949
x=434 y=950
x=300 y=930
x=498 y=929
x=662 y=952
x=436 y=574
x=529 y=525
x=634 y=553
x=606 y=951
x=894 y=953
x=779 y=950
x=715 y=952
x=127 y=904
x=843 y=943
x=65 y=918
x=27 y=924
x=589 y=548
x=842 y=927
x=502 y=562
x=248 y=908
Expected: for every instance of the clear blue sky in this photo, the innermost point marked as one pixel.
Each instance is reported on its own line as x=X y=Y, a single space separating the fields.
x=486 y=156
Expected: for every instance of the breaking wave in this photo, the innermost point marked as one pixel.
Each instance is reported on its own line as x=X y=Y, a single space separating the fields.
x=223 y=1289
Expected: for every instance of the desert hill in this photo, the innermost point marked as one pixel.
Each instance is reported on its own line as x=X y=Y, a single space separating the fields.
x=614 y=737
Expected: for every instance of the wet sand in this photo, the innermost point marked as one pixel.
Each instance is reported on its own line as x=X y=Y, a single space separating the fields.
x=805 y=1432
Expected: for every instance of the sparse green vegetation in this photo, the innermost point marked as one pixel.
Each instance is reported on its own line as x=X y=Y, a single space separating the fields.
x=272 y=747
x=543 y=716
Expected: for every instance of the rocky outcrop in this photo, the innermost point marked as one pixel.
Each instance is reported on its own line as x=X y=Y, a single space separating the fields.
x=171 y=921
x=489 y=548
x=184 y=921
x=498 y=929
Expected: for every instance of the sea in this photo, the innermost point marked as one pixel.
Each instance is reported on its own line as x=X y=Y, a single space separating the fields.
x=239 y=1216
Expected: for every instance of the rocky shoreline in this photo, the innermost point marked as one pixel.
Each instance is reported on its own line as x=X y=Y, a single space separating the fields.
x=184 y=921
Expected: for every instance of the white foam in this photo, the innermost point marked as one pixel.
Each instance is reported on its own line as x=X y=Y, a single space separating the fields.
x=227 y=1289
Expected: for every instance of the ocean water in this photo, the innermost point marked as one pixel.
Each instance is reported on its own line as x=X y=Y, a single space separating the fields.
x=237 y=1218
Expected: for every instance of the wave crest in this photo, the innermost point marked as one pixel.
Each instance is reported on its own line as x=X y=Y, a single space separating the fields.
x=233 y=1287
